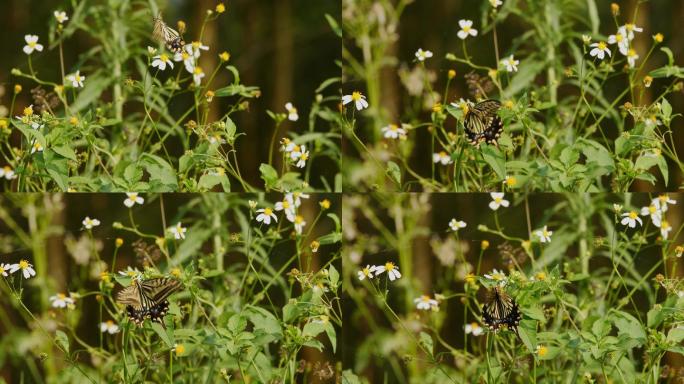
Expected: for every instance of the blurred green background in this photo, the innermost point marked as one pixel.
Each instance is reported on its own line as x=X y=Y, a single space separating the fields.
x=285 y=47
x=433 y=25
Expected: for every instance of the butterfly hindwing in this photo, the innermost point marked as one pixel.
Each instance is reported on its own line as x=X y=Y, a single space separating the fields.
x=482 y=123
x=147 y=299
x=501 y=311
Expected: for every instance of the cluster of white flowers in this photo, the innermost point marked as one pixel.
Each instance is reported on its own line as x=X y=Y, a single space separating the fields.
x=623 y=39
x=296 y=153
x=23 y=265
x=372 y=271
x=358 y=98
x=290 y=206
x=656 y=211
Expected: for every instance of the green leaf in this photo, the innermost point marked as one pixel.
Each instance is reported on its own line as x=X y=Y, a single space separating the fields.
x=495 y=158
x=333 y=275
x=269 y=175
x=332 y=335
x=348 y=377
x=662 y=166
x=334 y=25
x=426 y=342
x=93 y=87
x=162 y=332
x=394 y=171
x=529 y=69
x=208 y=181
x=528 y=334
x=65 y=151
x=675 y=335
x=62 y=340
x=313 y=329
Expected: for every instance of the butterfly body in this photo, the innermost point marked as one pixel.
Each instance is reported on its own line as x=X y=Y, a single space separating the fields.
x=147 y=299
x=167 y=35
x=482 y=123
x=501 y=311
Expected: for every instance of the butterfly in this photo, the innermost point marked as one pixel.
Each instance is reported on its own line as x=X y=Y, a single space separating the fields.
x=167 y=35
x=501 y=310
x=147 y=299
x=482 y=123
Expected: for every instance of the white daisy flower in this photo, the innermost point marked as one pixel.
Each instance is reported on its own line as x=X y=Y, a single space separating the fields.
x=178 y=231
x=600 y=50
x=463 y=105
x=662 y=202
x=498 y=201
x=291 y=112
x=466 y=29
x=132 y=198
x=366 y=273
x=197 y=75
x=7 y=172
x=4 y=269
x=187 y=59
x=299 y=224
x=195 y=48
x=393 y=131
x=665 y=229
x=510 y=63
x=632 y=57
x=89 y=223
x=37 y=147
x=358 y=99
x=296 y=198
x=426 y=303
x=26 y=269
x=391 y=269
x=302 y=157
x=131 y=272
x=216 y=139
x=162 y=61
x=544 y=235
x=76 y=79
x=622 y=42
x=628 y=30
x=265 y=215
x=32 y=44
x=286 y=206
x=474 y=329
x=496 y=275
x=109 y=326
x=630 y=219
x=455 y=225
x=654 y=212
x=422 y=55
x=61 y=16
x=442 y=157
x=61 y=300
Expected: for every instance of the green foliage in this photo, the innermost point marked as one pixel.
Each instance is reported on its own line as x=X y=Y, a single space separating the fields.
x=259 y=302
x=600 y=301
x=572 y=122
x=134 y=126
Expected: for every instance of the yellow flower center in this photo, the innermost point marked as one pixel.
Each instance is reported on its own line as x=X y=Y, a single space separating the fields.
x=325 y=204
x=305 y=156
x=389 y=266
x=298 y=219
x=540 y=276
x=61 y=296
x=196 y=44
x=511 y=181
x=466 y=29
x=28 y=111
x=498 y=200
x=110 y=323
x=286 y=204
x=179 y=349
x=629 y=27
x=7 y=168
x=185 y=56
x=133 y=196
x=618 y=37
x=542 y=351
x=23 y=264
x=164 y=57
x=198 y=71
x=32 y=44
x=393 y=127
x=474 y=326
x=602 y=46
x=365 y=271
x=664 y=225
x=442 y=154
x=652 y=209
x=425 y=299
x=633 y=215
x=545 y=233
x=631 y=52
x=268 y=211
x=663 y=198
x=356 y=96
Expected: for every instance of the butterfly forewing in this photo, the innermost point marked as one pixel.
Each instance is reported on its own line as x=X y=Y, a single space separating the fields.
x=161 y=288
x=147 y=299
x=482 y=123
x=167 y=35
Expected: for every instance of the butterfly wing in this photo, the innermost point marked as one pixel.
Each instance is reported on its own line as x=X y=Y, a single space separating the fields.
x=159 y=289
x=501 y=310
x=167 y=35
x=483 y=124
